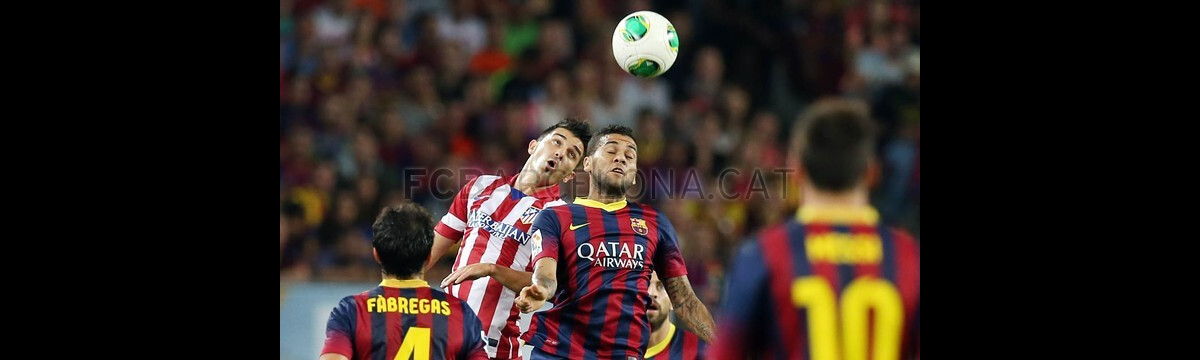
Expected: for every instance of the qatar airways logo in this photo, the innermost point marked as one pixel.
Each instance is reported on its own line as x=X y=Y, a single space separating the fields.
x=613 y=255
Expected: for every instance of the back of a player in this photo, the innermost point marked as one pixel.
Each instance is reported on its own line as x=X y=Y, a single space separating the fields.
x=828 y=290
x=404 y=319
x=831 y=283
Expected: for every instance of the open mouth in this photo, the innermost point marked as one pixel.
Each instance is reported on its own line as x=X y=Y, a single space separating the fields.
x=653 y=306
x=551 y=165
x=619 y=171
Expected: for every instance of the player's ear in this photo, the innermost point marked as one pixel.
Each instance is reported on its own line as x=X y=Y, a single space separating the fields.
x=794 y=156
x=793 y=163
x=376 y=253
x=532 y=145
x=569 y=176
x=587 y=164
x=874 y=174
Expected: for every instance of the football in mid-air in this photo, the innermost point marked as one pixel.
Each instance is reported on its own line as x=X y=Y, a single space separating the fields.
x=645 y=44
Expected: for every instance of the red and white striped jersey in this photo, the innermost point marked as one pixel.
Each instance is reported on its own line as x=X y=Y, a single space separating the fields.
x=492 y=220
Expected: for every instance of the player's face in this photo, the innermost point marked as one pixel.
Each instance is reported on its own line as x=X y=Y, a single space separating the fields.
x=660 y=304
x=556 y=154
x=614 y=163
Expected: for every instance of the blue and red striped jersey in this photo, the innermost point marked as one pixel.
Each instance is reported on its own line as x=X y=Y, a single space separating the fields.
x=404 y=317
x=605 y=254
x=830 y=284
x=680 y=345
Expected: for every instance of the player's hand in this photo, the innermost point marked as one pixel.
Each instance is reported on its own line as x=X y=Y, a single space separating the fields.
x=532 y=298
x=467 y=273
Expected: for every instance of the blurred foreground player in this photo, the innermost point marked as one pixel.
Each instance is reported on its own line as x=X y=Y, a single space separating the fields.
x=831 y=283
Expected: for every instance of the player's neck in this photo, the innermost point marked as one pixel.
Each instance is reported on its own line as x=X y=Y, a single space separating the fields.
x=420 y=276
x=528 y=181
x=594 y=194
x=662 y=332
x=853 y=198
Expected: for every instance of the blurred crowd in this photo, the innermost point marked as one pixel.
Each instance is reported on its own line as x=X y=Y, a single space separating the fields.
x=370 y=88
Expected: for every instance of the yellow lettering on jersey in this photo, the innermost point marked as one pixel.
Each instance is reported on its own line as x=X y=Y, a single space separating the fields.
x=842 y=248
x=416 y=343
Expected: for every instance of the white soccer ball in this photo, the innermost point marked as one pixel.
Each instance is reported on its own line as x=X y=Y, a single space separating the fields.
x=645 y=44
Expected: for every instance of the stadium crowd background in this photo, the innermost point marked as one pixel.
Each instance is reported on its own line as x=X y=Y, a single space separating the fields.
x=370 y=88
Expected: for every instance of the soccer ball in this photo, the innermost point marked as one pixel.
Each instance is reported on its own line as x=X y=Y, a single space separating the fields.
x=645 y=44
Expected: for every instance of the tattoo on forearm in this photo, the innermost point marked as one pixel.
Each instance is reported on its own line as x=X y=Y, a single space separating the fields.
x=541 y=278
x=545 y=281
x=690 y=311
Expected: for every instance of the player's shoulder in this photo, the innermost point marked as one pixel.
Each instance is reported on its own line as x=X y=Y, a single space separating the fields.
x=349 y=303
x=479 y=183
x=486 y=179
x=564 y=208
x=365 y=294
x=638 y=205
x=439 y=293
x=752 y=246
x=634 y=205
x=643 y=210
x=777 y=230
x=688 y=336
x=458 y=304
x=903 y=239
x=749 y=250
x=900 y=234
x=547 y=204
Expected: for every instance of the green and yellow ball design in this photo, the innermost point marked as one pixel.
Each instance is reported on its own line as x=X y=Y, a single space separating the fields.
x=672 y=38
x=644 y=68
x=636 y=28
x=645 y=44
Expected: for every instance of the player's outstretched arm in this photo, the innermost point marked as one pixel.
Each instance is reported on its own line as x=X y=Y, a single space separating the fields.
x=545 y=283
x=511 y=278
x=690 y=311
